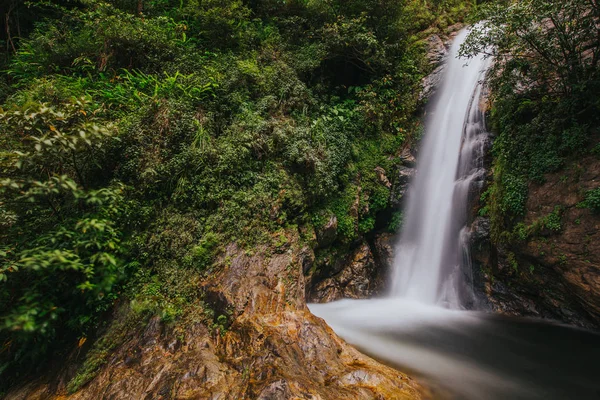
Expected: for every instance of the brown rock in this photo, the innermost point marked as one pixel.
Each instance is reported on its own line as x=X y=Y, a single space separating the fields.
x=274 y=348
x=384 y=250
x=382 y=178
x=436 y=49
x=553 y=274
x=400 y=187
x=358 y=278
x=407 y=158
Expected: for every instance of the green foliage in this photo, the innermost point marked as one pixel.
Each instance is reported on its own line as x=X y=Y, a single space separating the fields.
x=142 y=140
x=521 y=232
x=541 y=48
x=552 y=220
x=395 y=222
x=205 y=251
x=540 y=43
x=101 y=39
x=514 y=195
x=512 y=262
x=60 y=258
x=592 y=200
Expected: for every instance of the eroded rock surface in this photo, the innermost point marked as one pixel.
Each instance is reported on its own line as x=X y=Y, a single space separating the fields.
x=436 y=53
x=356 y=276
x=400 y=187
x=272 y=346
x=553 y=273
x=437 y=46
x=327 y=234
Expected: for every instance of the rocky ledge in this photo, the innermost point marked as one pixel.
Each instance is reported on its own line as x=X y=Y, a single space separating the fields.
x=269 y=346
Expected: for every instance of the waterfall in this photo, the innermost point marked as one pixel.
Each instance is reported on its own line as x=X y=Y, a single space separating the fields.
x=427 y=266
x=470 y=355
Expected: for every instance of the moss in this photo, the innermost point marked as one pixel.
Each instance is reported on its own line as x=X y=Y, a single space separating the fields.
x=512 y=261
x=553 y=220
x=127 y=322
x=395 y=223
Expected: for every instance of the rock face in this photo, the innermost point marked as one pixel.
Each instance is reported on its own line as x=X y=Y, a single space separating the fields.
x=436 y=53
x=382 y=177
x=360 y=275
x=327 y=233
x=400 y=187
x=356 y=276
x=553 y=273
x=272 y=347
x=437 y=50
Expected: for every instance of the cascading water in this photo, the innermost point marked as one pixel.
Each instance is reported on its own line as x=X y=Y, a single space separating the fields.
x=419 y=326
x=427 y=264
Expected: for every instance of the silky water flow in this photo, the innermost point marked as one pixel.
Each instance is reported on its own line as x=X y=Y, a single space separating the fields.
x=422 y=325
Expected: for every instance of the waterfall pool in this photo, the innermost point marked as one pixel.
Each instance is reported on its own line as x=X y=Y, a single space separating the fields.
x=422 y=327
x=472 y=355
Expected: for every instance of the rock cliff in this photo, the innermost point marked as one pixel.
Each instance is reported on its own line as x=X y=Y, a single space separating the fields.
x=553 y=271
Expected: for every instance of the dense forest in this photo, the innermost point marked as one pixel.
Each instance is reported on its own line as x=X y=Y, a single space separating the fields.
x=141 y=139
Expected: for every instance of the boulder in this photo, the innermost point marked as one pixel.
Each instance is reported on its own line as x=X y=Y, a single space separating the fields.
x=271 y=347
x=357 y=277
x=327 y=234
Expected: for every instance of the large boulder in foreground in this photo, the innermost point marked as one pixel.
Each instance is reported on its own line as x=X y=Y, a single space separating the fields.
x=267 y=345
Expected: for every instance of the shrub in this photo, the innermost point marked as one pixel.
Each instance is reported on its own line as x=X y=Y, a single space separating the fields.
x=592 y=199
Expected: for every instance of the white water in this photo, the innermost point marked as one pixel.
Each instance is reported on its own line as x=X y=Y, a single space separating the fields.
x=420 y=326
x=472 y=355
x=427 y=264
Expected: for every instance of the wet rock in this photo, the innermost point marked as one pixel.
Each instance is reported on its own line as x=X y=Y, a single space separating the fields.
x=407 y=158
x=436 y=54
x=480 y=230
x=327 y=234
x=400 y=186
x=552 y=274
x=431 y=82
x=307 y=259
x=383 y=250
x=357 y=278
x=453 y=30
x=275 y=391
x=382 y=178
x=436 y=49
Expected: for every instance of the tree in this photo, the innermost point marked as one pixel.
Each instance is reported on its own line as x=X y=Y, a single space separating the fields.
x=551 y=45
x=59 y=239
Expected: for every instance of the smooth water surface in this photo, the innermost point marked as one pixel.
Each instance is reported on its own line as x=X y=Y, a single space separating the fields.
x=473 y=355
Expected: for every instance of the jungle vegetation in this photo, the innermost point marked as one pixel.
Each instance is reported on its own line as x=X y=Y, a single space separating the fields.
x=139 y=137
